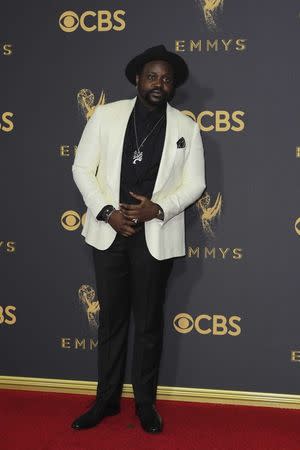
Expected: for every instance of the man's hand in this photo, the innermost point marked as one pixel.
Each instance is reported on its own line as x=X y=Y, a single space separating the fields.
x=144 y=211
x=121 y=224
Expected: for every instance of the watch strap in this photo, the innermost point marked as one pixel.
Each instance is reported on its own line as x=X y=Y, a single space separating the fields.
x=105 y=213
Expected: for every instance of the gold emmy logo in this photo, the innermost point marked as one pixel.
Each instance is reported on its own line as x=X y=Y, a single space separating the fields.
x=214 y=253
x=101 y=20
x=86 y=102
x=211 y=10
x=66 y=150
x=71 y=220
x=86 y=296
x=297 y=226
x=208 y=213
x=211 y=45
x=297 y=152
x=295 y=355
x=76 y=343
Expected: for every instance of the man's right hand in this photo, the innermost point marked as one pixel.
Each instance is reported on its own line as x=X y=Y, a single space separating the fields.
x=121 y=224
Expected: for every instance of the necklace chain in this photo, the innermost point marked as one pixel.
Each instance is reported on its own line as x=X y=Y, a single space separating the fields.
x=138 y=156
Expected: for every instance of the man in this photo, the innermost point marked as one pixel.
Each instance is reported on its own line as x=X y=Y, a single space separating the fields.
x=138 y=165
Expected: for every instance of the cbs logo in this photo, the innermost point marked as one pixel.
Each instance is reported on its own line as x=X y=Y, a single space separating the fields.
x=102 y=20
x=7 y=315
x=6 y=124
x=71 y=220
x=8 y=246
x=220 y=121
x=216 y=324
x=7 y=49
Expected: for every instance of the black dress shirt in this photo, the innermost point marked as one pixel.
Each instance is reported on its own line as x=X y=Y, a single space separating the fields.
x=140 y=177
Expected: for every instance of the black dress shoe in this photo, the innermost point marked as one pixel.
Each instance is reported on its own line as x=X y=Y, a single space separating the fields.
x=94 y=416
x=149 y=418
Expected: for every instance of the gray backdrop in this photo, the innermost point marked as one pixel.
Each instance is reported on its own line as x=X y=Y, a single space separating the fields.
x=243 y=253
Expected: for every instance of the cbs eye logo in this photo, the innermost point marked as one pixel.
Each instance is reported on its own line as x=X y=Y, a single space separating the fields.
x=297 y=226
x=71 y=220
x=89 y=21
x=219 y=121
x=7 y=315
x=216 y=324
x=183 y=323
x=69 y=21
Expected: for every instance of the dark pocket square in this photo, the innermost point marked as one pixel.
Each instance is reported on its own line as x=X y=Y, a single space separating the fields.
x=181 y=143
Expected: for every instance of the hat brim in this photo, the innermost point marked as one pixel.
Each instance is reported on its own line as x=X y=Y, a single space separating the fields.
x=181 y=71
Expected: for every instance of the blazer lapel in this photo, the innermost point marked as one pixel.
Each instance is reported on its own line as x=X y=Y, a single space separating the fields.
x=169 y=150
x=168 y=154
x=115 y=157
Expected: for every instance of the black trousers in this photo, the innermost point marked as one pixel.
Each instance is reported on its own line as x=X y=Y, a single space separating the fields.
x=128 y=276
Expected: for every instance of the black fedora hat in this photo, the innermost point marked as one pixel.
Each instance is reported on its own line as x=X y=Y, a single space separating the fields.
x=159 y=52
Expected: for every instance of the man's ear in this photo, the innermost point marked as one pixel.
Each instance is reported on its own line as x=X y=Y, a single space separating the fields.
x=136 y=79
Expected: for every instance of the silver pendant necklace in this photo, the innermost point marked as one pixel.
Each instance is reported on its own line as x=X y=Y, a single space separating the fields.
x=137 y=154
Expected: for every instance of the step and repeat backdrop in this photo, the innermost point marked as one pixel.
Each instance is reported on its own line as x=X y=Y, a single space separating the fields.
x=232 y=309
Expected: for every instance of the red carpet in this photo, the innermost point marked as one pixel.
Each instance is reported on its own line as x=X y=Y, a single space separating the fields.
x=41 y=421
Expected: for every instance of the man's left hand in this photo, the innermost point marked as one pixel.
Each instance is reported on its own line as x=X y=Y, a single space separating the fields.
x=144 y=211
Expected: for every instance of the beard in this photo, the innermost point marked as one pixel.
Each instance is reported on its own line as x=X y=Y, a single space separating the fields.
x=156 y=100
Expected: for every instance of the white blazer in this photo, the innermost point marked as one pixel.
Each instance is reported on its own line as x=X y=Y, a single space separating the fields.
x=180 y=180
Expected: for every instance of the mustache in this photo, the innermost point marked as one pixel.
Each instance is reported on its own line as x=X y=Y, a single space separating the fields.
x=157 y=90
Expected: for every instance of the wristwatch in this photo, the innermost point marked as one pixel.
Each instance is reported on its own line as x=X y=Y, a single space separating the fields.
x=105 y=213
x=160 y=214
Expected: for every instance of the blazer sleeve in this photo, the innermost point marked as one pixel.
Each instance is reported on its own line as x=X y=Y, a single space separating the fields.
x=85 y=164
x=193 y=181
